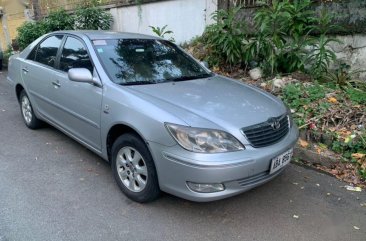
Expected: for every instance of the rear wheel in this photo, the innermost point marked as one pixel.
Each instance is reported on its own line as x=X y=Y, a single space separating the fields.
x=30 y=119
x=134 y=169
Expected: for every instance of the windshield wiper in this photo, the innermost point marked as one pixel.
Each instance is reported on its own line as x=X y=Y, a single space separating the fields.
x=184 y=78
x=139 y=83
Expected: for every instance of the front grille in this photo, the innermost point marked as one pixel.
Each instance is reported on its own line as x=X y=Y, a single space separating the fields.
x=266 y=133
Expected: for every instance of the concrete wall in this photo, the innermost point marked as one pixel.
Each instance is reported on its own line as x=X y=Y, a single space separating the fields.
x=352 y=51
x=186 y=18
x=13 y=17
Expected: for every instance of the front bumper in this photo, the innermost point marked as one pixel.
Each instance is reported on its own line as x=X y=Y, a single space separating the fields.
x=238 y=171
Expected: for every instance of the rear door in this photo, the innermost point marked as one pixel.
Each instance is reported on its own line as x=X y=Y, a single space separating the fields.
x=39 y=75
x=80 y=103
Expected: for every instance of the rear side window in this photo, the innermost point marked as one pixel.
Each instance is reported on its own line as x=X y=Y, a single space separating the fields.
x=47 y=50
x=74 y=55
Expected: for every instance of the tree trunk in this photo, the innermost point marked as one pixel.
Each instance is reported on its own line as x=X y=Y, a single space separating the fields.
x=36 y=9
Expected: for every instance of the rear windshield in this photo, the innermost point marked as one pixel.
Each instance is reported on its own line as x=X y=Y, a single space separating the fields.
x=146 y=61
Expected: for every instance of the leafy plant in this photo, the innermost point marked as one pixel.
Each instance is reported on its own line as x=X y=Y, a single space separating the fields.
x=227 y=37
x=284 y=28
x=321 y=56
x=7 y=53
x=353 y=143
x=59 y=20
x=30 y=31
x=162 y=32
x=287 y=39
x=93 y=18
x=87 y=16
x=299 y=97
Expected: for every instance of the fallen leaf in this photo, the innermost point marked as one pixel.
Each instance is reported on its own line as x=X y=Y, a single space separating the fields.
x=354 y=189
x=332 y=100
x=334 y=172
x=303 y=143
x=358 y=155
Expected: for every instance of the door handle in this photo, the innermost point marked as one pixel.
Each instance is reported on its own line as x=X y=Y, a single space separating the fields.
x=56 y=84
x=25 y=69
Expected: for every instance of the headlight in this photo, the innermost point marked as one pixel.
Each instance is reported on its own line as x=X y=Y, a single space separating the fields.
x=204 y=140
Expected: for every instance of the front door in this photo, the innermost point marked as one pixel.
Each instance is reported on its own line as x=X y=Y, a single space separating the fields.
x=80 y=103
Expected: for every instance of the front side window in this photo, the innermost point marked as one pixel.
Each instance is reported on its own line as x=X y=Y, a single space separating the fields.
x=146 y=61
x=74 y=55
x=47 y=50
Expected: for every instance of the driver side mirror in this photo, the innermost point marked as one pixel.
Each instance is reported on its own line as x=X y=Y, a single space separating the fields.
x=82 y=75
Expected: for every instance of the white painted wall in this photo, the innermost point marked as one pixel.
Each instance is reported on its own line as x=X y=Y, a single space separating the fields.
x=186 y=18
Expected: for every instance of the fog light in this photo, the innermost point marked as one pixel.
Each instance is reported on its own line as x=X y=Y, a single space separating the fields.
x=206 y=188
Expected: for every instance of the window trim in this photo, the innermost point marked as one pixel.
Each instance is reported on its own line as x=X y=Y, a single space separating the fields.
x=58 y=59
x=37 y=47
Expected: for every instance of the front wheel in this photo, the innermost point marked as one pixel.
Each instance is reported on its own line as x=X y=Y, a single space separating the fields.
x=30 y=119
x=134 y=169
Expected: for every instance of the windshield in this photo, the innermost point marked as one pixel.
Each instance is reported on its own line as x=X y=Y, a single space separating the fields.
x=146 y=61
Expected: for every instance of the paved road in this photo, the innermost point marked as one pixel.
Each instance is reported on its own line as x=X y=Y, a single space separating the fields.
x=52 y=188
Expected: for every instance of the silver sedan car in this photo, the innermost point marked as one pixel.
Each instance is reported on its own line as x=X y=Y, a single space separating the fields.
x=163 y=120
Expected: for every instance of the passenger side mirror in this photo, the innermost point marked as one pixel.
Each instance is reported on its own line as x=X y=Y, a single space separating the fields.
x=82 y=75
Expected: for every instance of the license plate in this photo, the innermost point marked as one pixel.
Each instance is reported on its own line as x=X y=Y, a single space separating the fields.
x=280 y=161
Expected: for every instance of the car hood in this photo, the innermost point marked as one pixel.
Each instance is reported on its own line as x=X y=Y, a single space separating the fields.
x=213 y=102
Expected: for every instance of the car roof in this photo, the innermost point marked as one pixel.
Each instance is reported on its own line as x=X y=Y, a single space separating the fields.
x=100 y=34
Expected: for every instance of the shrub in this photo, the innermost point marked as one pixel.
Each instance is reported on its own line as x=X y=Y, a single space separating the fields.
x=93 y=18
x=226 y=38
x=88 y=16
x=59 y=20
x=284 y=42
x=30 y=31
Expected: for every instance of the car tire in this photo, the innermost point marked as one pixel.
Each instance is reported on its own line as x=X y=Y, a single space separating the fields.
x=26 y=109
x=134 y=169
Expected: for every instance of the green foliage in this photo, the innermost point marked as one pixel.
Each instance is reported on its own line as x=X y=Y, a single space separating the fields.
x=283 y=34
x=59 y=20
x=92 y=18
x=30 y=31
x=321 y=56
x=87 y=16
x=283 y=43
x=162 y=32
x=299 y=96
x=354 y=143
x=7 y=53
x=343 y=77
x=226 y=38
x=356 y=95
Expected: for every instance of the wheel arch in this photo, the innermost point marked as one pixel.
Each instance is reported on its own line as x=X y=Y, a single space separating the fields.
x=116 y=131
x=18 y=90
